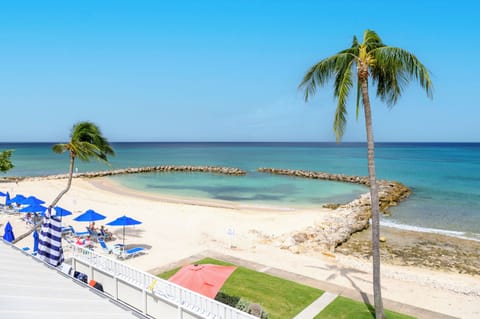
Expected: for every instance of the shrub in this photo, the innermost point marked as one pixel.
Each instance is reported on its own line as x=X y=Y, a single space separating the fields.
x=252 y=308
x=222 y=297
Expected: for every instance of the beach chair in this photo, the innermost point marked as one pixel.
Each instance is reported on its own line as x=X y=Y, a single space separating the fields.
x=105 y=234
x=75 y=233
x=132 y=252
x=93 y=234
x=115 y=249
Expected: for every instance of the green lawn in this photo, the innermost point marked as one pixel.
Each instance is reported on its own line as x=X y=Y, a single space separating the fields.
x=285 y=299
x=344 y=308
x=279 y=297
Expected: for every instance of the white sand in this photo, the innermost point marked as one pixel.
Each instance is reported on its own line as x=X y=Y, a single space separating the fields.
x=175 y=229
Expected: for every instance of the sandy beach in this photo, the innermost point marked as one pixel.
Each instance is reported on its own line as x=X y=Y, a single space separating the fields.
x=174 y=229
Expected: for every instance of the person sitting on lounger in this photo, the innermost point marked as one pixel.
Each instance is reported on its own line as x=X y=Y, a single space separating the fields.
x=92 y=227
x=105 y=233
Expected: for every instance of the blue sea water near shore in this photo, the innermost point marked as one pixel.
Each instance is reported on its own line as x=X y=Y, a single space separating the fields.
x=444 y=177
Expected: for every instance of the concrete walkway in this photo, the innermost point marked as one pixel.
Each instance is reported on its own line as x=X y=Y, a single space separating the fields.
x=317 y=306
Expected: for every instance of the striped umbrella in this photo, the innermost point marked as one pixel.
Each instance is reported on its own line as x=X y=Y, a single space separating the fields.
x=50 y=240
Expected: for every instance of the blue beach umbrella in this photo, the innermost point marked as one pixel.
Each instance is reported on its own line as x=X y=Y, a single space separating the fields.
x=3 y=194
x=124 y=221
x=89 y=216
x=19 y=199
x=59 y=211
x=32 y=200
x=33 y=209
x=8 y=233
x=35 y=242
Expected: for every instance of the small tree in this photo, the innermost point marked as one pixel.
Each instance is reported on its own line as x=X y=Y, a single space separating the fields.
x=5 y=162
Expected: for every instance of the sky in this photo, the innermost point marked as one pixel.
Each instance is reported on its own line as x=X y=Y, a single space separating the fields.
x=226 y=70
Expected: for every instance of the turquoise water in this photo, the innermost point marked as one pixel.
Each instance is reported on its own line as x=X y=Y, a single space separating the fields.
x=444 y=177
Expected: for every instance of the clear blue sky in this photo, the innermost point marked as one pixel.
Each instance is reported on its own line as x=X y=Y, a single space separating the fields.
x=225 y=70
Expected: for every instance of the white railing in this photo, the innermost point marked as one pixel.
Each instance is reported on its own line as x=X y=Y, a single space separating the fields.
x=151 y=295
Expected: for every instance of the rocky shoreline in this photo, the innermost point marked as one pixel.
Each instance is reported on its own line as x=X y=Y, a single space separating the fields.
x=353 y=237
x=425 y=250
x=344 y=220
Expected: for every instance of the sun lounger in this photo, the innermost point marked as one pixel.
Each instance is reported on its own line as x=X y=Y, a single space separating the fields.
x=93 y=234
x=132 y=252
x=75 y=233
x=115 y=249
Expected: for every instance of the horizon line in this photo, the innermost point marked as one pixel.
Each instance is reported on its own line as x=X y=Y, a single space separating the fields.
x=258 y=142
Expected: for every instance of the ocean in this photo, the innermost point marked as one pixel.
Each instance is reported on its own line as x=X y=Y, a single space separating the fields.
x=444 y=177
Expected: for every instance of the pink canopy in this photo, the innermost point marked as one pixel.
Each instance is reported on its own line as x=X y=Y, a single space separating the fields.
x=206 y=279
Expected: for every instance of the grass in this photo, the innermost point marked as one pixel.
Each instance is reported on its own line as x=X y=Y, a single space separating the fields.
x=279 y=297
x=344 y=308
x=285 y=299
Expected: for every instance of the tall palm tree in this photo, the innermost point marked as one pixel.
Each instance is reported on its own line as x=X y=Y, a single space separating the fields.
x=86 y=142
x=390 y=69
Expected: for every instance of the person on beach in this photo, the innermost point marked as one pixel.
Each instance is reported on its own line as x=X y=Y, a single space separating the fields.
x=28 y=219
x=87 y=242
x=92 y=227
x=105 y=233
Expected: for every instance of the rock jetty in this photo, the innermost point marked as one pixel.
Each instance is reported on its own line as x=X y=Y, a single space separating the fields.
x=147 y=169
x=344 y=220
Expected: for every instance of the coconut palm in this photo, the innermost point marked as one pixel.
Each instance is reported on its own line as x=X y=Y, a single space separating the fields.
x=86 y=142
x=389 y=69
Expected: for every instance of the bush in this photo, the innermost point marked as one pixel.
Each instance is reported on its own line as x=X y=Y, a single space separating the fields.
x=222 y=297
x=252 y=308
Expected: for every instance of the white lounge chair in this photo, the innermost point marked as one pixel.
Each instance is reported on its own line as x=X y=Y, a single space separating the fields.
x=132 y=252
x=115 y=249
x=75 y=233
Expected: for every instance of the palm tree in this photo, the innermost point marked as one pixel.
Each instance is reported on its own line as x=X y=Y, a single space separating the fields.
x=86 y=142
x=390 y=69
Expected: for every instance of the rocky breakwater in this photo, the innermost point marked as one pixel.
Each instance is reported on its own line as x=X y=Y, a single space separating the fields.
x=149 y=169
x=344 y=219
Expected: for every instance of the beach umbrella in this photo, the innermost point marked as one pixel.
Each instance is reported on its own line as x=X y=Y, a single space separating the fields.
x=59 y=211
x=8 y=233
x=35 y=242
x=32 y=200
x=124 y=221
x=37 y=208
x=89 y=216
x=50 y=240
x=206 y=279
x=3 y=194
x=19 y=199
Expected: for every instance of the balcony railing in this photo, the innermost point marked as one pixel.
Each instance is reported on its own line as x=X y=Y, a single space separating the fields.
x=148 y=294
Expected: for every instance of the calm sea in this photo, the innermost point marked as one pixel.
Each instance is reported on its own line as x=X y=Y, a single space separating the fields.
x=444 y=177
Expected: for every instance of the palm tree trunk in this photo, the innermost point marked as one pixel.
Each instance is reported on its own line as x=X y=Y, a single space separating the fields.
x=69 y=183
x=55 y=201
x=374 y=202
